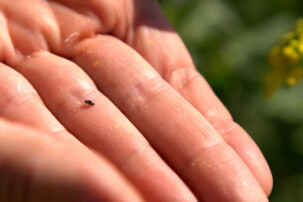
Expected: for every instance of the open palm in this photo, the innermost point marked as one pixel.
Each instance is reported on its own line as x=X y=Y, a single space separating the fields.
x=155 y=118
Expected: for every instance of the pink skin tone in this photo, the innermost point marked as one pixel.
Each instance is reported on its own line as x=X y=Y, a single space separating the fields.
x=157 y=131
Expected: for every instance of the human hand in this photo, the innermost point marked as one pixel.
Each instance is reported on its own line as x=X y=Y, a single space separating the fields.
x=36 y=166
x=141 y=69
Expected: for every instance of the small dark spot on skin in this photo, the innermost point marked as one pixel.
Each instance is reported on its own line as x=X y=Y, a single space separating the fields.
x=89 y=102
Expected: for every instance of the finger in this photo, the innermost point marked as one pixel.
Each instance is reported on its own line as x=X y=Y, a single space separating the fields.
x=20 y=102
x=37 y=167
x=167 y=54
x=18 y=98
x=28 y=26
x=173 y=127
x=7 y=49
x=101 y=126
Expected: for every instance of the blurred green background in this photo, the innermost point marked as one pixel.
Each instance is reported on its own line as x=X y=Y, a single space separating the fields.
x=230 y=41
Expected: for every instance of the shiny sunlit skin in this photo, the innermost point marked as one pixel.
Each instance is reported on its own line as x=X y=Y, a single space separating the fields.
x=157 y=132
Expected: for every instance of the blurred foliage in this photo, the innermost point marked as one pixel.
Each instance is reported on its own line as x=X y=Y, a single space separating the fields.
x=229 y=41
x=286 y=61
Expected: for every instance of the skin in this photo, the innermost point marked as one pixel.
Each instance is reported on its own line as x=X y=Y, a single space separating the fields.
x=157 y=131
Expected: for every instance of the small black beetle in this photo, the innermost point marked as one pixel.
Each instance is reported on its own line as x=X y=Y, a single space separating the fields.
x=89 y=102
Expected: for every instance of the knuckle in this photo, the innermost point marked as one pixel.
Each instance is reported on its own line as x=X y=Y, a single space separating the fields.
x=208 y=157
x=226 y=126
x=144 y=90
x=143 y=154
x=181 y=77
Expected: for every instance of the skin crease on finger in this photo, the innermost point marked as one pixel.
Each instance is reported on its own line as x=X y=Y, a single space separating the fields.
x=53 y=38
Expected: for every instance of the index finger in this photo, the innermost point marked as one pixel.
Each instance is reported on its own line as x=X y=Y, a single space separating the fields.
x=154 y=38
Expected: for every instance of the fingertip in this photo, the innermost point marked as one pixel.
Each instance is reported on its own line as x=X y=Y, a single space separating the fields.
x=248 y=150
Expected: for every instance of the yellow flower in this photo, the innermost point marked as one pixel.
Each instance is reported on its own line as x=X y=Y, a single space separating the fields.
x=286 y=61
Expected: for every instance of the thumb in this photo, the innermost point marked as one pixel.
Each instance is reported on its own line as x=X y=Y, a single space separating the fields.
x=38 y=167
